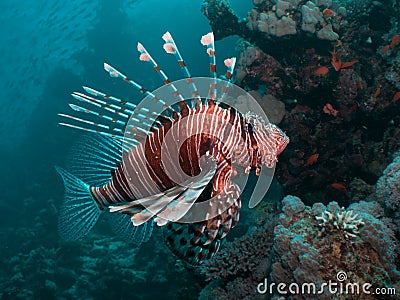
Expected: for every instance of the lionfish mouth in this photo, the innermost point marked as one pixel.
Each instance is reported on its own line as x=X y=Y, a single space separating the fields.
x=283 y=146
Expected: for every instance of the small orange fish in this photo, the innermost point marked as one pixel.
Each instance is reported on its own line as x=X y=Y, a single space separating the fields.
x=321 y=71
x=348 y=64
x=385 y=49
x=395 y=41
x=360 y=85
x=377 y=93
x=328 y=109
x=336 y=62
x=396 y=96
x=339 y=186
x=311 y=160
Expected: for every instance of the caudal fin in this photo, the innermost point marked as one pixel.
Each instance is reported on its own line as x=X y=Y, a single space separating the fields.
x=79 y=212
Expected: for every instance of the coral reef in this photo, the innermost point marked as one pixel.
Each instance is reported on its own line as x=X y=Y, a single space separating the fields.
x=278 y=19
x=303 y=254
x=338 y=77
x=393 y=74
x=388 y=186
x=273 y=108
x=310 y=245
x=272 y=25
x=248 y=55
x=388 y=192
x=360 y=190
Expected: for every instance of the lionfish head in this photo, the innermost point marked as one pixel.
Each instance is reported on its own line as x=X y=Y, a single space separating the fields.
x=268 y=141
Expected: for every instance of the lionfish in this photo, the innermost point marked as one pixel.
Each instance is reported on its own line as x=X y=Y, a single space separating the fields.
x=126 y=174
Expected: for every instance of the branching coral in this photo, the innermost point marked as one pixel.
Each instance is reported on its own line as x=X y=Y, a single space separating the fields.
x=342 y=220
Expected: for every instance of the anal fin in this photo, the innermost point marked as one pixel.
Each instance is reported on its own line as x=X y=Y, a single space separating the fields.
x=134 y=235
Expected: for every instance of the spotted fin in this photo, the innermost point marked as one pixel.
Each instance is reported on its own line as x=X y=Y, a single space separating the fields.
x=196 y=242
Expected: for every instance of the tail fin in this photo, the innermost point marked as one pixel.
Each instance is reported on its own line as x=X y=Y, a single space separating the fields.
x=79 y=212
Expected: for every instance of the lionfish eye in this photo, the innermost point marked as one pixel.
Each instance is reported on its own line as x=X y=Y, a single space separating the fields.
x=250 y=127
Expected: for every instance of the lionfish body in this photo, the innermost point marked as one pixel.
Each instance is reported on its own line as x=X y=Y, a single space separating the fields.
x=149 y=178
